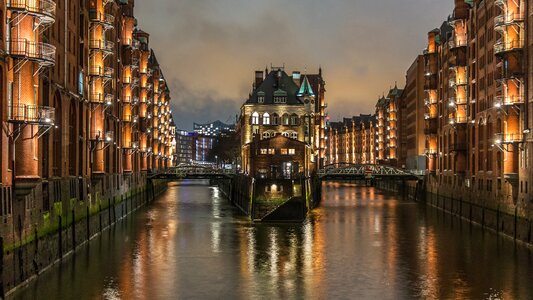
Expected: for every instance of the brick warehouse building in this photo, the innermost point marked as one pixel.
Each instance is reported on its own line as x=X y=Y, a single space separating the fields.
x=85 y=111
x=478 y=127
x=352 y=140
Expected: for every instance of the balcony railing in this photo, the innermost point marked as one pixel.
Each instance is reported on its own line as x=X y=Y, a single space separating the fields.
x=102 y=71
x=457 y=101
x=506 y=46
x=102 y=45
x=458 y=120
x=508 y=100
x=43 y=9
x=454 y=82
x=36 y=51
x=31 y=114
x=504 y=20
x=508 y=138
x=458 y=41
x=99 y=98
x=102 y=18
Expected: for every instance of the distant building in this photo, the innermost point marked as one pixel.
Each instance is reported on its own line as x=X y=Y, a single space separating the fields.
x=389 y=128
x=184 y=147
x=202 y=145
x=413 y=141
x=213 y=129
x=352 y=140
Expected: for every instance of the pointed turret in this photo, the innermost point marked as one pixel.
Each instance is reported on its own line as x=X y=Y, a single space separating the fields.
x=305 y=88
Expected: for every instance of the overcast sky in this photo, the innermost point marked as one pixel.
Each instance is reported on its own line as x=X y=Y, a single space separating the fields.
x=209 y=49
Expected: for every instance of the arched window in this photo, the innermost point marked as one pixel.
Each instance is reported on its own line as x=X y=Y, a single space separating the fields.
x=274 y=119
x=266 y=119
x=294 y=135
x=294 y=120
x=255 y=118
x=286 y=134
x=266 y=135
x=285 y=119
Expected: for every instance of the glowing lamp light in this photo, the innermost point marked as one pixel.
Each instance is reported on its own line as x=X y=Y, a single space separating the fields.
x=498 y=141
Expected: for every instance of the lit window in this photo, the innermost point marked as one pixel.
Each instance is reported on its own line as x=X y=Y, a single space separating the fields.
x=271 y=151
x=264 y=151
x=284 y=151
x=294 y=135
x=285 y=119
x=255 y=118
x=285 y=134
x=266 y=135
x=266 y=119
x=294 y=120
x=292 y=151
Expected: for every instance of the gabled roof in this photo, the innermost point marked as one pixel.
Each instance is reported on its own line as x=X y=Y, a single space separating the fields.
x=276 y=84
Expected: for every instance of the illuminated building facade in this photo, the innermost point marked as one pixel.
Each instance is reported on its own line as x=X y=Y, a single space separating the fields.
x=214 y=129
x=85 y=110
x=478 y=136
x=285 y=106
x=388 y=116
x=352 y=140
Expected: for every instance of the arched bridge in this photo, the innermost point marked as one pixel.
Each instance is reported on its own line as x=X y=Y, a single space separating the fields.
x=366 y=172
x=193 y=172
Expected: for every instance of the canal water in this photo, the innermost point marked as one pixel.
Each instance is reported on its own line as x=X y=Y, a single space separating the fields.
x=362 y=243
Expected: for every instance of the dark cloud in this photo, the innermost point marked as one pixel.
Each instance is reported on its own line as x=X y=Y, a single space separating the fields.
x=209 y=49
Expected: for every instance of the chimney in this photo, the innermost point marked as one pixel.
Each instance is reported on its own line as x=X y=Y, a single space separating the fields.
x=296 y=76
x=258 y=78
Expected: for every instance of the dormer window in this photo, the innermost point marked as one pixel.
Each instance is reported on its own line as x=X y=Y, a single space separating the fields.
x=280 y=99
x=261 y=97
x=280 y=96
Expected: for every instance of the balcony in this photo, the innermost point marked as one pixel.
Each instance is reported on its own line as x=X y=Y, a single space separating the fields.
x=508 y=138
x=430 y=152
x=500 y=101
x=102 y=45
x=43 y=53
x=458 y=120
x=45 y=10
x=503 y=47
x=457 y=41
x=105 y=20
x=106 y=72
x=99 y=98
x=502 y=21
x=127 y=118
x=31 y=114
x=454 y=82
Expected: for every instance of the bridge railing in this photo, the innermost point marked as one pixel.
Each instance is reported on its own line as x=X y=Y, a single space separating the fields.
x=366 y=170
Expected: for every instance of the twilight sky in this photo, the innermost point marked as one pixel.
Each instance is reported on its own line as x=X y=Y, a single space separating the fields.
x=209 y=49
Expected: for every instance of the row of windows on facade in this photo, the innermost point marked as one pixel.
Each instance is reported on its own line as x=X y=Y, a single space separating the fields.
x=269 y=134
x=283 y=151
x=261 y=99
x=274 y=119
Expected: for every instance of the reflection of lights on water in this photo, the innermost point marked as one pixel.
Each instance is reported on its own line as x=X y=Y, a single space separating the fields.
x=377 y=224
x=251 y=250
x=215 y=237
x=111 y=291
x=274 y=253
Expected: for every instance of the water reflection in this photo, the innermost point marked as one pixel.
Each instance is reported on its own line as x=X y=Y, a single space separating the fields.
x=361 y=244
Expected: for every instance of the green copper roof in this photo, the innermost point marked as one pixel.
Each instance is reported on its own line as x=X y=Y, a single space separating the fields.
x=280 y=93
x=305 y=89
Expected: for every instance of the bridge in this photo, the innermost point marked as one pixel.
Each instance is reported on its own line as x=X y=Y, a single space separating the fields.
x=346 y=171
x=183 y=172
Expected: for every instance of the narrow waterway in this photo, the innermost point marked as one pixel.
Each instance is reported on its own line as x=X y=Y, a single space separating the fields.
x=361 y=243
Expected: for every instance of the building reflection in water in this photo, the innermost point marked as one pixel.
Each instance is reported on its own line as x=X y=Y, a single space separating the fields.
x=361 y=243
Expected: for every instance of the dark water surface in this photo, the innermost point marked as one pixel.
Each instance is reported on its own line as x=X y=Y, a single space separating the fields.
x=361 y=244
